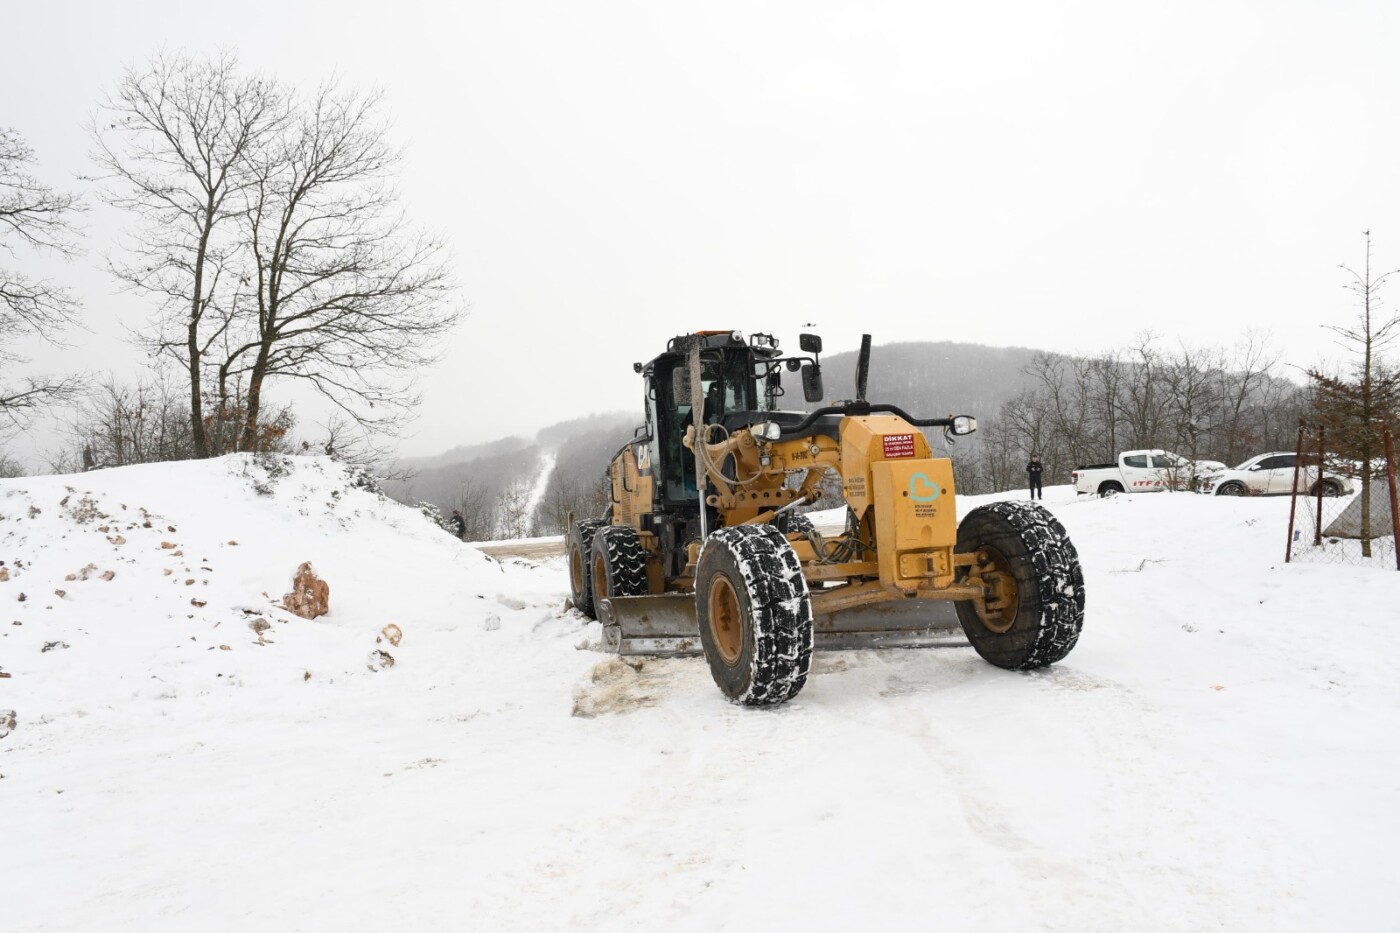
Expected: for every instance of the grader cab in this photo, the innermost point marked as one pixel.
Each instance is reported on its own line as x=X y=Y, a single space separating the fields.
x=703 y=549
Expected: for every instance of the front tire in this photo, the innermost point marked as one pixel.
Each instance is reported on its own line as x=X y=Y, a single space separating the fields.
x=1231 y=488
x=1043 y=614
x=580 y=552
x=755 y=615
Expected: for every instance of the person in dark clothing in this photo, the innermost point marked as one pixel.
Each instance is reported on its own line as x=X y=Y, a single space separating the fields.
x=1033 y=471
x=457 y=524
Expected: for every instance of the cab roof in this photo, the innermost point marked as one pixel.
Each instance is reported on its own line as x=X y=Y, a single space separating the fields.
x=762 y=346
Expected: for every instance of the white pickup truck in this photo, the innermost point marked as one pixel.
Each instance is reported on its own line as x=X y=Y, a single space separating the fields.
x=1141 y=471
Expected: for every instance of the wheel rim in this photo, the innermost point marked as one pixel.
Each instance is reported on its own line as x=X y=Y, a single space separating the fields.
x=1232 y=489
x=726 y=624
x=576 y=570
x=997 y=575
x=600 y=580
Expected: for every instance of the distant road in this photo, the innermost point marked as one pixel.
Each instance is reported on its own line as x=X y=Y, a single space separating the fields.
x=554 y=547
x=531 y=547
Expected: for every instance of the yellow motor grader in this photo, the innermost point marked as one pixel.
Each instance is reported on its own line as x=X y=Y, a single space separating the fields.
x=704 y=550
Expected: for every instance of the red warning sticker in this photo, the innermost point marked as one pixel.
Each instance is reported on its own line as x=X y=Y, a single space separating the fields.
x=898 y=445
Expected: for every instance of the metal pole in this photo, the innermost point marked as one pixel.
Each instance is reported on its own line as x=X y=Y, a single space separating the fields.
x=1394 y=506
x=697 y=422
x=1321 y=458
x=1293 y=499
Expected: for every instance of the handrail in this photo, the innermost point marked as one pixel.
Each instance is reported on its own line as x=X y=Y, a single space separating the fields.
x=860 y=408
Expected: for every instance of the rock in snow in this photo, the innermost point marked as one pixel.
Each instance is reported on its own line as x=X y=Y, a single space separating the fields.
x=310 y=597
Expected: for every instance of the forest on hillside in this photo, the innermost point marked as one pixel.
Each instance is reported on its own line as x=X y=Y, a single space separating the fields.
x=1221 y=403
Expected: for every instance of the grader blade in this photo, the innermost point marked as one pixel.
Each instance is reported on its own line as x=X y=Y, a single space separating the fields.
x=656 y=626
x=907 y=623
x=665 y=626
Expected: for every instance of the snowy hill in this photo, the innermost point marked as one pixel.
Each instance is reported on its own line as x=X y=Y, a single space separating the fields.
x=1217 y=753
x=492 y=483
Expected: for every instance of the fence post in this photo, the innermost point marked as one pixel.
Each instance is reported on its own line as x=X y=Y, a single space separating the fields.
x=1321 y=459
x=1293 y=499
x=1394 y=507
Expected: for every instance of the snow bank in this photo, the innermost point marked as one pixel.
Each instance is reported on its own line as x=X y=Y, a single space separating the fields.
x=1217 y=752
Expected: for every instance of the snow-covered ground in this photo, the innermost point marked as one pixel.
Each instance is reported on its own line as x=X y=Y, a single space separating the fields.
x=1220 y=752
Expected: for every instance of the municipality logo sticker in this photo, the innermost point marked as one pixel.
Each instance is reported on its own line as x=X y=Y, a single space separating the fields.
x=922 y=489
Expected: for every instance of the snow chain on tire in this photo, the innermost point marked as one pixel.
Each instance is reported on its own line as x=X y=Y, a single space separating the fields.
x=1032 y=545
x=755 y=615
x=793 y=523
x=618 y=555
x=580 y=561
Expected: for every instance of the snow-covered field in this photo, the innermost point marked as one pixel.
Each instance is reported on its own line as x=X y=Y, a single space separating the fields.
x=1220 y=752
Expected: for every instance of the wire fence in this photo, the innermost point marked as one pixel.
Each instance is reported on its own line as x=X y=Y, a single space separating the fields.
x=1329 y=536
x=1356 y=529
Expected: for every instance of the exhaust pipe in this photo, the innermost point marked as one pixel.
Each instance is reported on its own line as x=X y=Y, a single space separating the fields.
x=863 y=367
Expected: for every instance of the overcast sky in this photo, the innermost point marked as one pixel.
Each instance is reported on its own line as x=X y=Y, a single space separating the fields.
x=1062 y=176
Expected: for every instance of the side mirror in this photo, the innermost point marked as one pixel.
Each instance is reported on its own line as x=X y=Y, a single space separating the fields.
x=812 y=381
x=963 y=424
x=810 y=343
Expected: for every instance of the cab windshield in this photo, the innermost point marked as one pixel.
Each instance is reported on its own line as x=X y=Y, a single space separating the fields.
x=726 y=378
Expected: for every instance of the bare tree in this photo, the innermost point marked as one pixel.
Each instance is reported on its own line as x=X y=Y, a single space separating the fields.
x=35 y=217
x=1275 y=413
x=1244 y=378
x=478 y=511
x=344 y=441
x=1356 y=410
x=173 y=143
x=1108 y=378
x=1142 y=400
x=1065 y=385
x=345 y=295
x=271 y=236
x=1192 y=382
x=10 y=467
x=586 y=498
x=513 y=511
x=1027 y=420
x=999 y=460
x=118 y=425
x=560 y=499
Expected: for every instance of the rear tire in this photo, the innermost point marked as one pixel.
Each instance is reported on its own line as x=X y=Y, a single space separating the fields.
x=580 y=551
x=619 y=564
x=755 y=615
x=1109 y=488
x=1046 y=614
x=793 y=523
x=1330 y=488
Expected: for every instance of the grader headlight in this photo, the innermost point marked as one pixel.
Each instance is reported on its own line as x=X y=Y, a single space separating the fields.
x=767 y=430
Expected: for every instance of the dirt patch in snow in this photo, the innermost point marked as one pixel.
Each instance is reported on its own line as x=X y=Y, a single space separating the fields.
x=617 y=685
